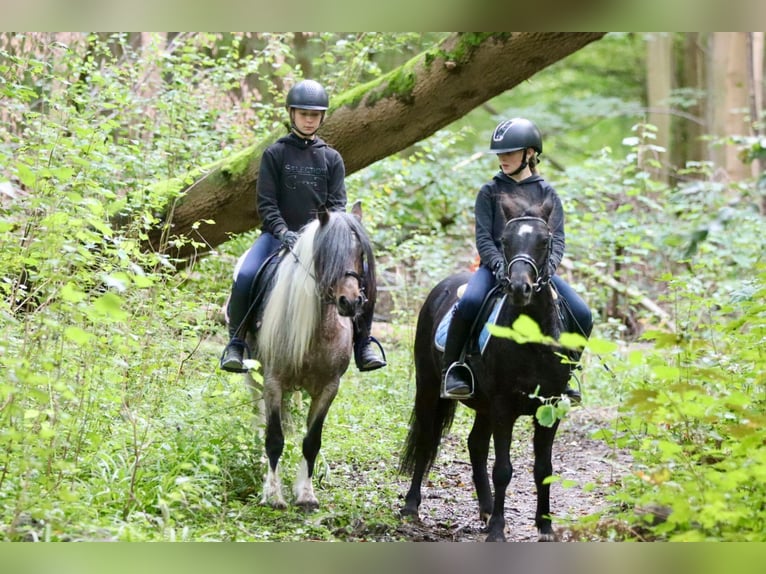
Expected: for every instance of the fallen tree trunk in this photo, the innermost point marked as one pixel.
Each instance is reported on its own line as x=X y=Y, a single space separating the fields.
x=365 y=124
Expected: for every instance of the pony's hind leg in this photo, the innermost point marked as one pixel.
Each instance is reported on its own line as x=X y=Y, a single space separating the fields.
x=478 y=449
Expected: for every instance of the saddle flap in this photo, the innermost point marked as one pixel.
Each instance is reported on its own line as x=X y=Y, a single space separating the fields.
x=480 y=335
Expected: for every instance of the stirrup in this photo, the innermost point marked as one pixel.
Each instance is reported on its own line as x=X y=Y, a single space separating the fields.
x=378 y=362
x=458 y=366
x=575 y=395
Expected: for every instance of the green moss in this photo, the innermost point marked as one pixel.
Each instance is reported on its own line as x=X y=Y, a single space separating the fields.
x=399 y=83
x=236 y=164
x=466 y=44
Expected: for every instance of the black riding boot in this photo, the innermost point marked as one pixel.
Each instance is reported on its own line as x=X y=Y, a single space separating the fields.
x=457 y=379
x=366 y=358
x=233 y=359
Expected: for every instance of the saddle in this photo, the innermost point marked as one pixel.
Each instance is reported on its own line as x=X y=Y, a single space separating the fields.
x=490 y=309
x=259 y=292
x=479 y=335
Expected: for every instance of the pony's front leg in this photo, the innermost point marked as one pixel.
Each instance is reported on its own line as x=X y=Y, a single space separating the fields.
x=312 y=442
x=304 y=488
x=502 y=471
x=543 y=468
x=478 y=449
x=275 y=443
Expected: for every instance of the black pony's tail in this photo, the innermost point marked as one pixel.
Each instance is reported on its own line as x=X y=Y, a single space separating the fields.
x=428 y=424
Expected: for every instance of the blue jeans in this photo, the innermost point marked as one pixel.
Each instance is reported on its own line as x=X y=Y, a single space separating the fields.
x=578 y=320
x=239 y=302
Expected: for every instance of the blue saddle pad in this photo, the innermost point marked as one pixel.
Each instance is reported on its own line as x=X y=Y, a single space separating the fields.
x=440 y=338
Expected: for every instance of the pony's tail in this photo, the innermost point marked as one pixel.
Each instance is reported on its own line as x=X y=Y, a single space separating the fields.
x=428 y=424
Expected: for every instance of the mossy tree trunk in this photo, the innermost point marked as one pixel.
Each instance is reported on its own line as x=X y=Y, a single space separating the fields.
x=368 y=123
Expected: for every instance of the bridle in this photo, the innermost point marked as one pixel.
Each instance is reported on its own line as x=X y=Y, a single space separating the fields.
x=329 y=297
x=541 y=277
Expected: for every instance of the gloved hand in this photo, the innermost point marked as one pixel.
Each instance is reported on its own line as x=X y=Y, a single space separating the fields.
x=501 y=273
x=288 y=238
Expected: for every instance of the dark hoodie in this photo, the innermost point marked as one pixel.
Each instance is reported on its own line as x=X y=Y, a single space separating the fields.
x=490 y=220
x=297 y=176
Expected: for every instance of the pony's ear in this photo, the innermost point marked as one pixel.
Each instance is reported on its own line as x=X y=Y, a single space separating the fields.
x=513 y=206
x=546 y=208
x=323 y=215
x=356 y=209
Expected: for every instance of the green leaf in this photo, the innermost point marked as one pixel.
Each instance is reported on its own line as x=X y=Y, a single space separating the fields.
x=601 y=346
x=69 y=292
x=528 y=328
x=26 y=176
x=546 y=415
x=31 y=414
x=79 y=336
x=573 y=340
x=110 y=305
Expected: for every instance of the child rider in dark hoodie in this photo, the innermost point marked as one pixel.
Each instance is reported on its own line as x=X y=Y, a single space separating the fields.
x=517 y=143
x=297 y=175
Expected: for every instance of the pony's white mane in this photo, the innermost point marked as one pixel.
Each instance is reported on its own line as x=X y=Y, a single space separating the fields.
x=291 y=314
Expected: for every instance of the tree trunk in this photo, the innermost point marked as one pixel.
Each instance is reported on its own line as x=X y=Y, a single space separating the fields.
x=659 y=83
x=729 y=103
x=368 y=123
x=688 y=144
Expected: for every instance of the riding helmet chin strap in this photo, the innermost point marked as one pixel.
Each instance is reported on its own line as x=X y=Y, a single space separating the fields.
x=522 y=165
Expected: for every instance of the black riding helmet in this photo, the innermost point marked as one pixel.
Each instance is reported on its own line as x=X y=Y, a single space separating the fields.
x=515 y=134
x=306 y=95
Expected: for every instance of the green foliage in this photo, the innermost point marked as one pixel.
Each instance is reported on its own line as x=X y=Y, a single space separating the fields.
x=694 y=417
x=115 y=423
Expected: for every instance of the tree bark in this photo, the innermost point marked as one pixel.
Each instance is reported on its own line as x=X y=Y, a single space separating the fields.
x=365 y=124
x=659 y=86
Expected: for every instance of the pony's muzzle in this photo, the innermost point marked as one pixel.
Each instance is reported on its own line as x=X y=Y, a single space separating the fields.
x=348 y=307
x=521 y=291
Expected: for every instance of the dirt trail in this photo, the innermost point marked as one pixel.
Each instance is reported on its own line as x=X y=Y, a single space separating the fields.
x=449 y=511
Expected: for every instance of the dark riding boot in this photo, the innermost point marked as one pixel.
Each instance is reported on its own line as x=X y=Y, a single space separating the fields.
x=366 y=358
x=457 y=379
x=232 y=359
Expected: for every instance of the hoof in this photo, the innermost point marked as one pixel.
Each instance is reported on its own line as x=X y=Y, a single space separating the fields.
x=496 y=537
x=409 y=512
x=307 y=505
x=277 y=504
x=547 y=537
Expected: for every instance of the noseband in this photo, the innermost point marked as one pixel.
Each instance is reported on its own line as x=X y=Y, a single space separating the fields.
x=329 y=297
x=541 y=278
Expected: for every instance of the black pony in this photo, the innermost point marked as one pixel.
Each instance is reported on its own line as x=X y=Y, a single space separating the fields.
x=510 y=377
